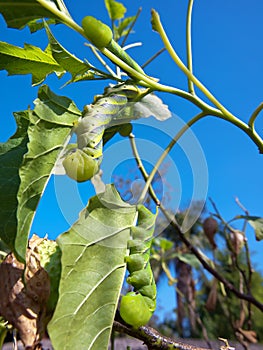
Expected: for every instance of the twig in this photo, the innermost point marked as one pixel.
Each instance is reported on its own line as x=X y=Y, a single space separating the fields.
x=95 y=52
x=189 y=44
x=171 y=219
x=131 y=26
x=153 y=57
x=153 y=339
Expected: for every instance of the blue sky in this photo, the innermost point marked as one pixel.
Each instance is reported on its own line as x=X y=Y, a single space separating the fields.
x=227 y=58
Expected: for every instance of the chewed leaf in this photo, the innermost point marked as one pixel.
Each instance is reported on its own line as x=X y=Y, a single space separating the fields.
x=151 y=105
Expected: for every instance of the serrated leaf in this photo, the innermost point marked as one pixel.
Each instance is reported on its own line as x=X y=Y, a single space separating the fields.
x=46 y=139
x=65 y=59
x=28 y=60
x=11 y=157
x=17 y=13
x=93 y=269
x=257 y=223
x=116 y=10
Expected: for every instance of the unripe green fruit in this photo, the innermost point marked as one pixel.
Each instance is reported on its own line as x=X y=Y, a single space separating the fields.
x=79 y=166
x=98 y=33
x=134 y=309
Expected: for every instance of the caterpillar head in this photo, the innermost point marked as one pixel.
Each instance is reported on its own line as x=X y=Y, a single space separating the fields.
x=134 y=309
x=98 y=33
x=79 y=166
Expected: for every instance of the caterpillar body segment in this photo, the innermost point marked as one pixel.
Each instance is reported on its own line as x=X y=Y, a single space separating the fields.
x=104 y=112
x=141 y=276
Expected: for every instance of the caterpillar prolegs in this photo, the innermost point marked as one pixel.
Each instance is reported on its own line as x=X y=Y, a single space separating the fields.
x=137 y=307
x=83 y=163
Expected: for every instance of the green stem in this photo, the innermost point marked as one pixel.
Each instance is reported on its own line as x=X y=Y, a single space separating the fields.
x=166 y=151
x=189 y=44
x=180 y=64
x=95 y=52
x=66 y=19
x=131 y=26
x=225 y=114
x=141 y=167
x=144 y=80
x=254 y=115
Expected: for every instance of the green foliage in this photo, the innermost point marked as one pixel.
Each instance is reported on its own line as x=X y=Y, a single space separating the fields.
x=18 y=13
x=93 y=269
x=11 y=158
x=28 y=159
x=116 y=10
x=28 y=60
x=257 y=223
x=73 y=65
x=95 y=249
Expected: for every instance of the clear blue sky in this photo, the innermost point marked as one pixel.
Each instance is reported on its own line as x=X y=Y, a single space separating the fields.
x=228 y=59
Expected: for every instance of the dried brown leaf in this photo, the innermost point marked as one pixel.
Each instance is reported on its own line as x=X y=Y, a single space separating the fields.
x=23 y=296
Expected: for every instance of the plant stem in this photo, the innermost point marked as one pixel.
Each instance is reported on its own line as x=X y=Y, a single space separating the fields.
x=203 y=259
x=254 y=115
x=180 y=64
x=189 y=44
x=66 y=19
x=131 y=26
x=166 y=151
x=141 y=167
x=144 y=80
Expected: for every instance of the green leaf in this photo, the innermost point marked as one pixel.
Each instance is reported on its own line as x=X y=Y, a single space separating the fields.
x=28 y=60
x=122 y=28
x=93 y=270
x=65 y=59
x=257 y=223
x=47 y=136
x=55 y=109
x=115 y=9
x=11 y=157
x=18 y=13
x=38 y=24
x=189 y=259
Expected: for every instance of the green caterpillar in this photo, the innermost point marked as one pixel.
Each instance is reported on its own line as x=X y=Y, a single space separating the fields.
x=83 y=163
x=137 y=307
x=100 y=35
